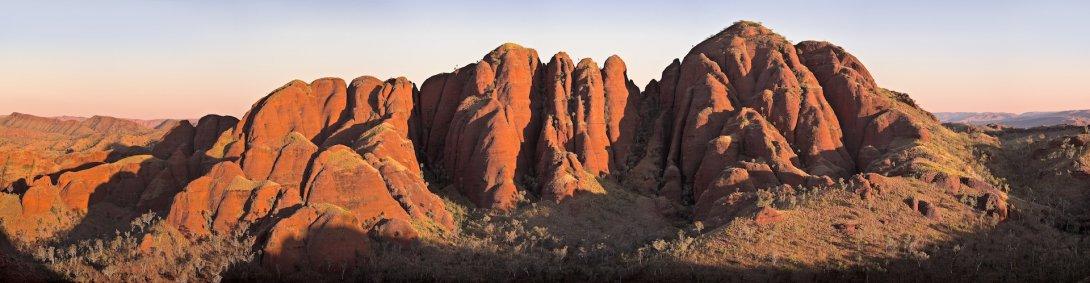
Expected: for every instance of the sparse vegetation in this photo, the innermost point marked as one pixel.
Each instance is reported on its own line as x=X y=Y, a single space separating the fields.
x=149 y=250
x=618 y=235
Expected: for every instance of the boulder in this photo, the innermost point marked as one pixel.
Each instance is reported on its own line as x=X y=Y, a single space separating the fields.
x=768 y=215
x=924 y=207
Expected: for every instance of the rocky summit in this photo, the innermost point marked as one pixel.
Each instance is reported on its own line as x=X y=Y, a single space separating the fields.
x=750 y=158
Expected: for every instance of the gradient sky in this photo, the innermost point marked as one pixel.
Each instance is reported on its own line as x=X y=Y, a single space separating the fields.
x=183 y=59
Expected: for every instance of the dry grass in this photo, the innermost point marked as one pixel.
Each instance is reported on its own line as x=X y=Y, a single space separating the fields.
x=1042 y=166
x=890 y=239
x=592 y=237
x=150 y=250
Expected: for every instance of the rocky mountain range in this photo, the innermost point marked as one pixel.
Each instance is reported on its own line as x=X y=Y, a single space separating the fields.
x=31 y=146
x=750 y=158
x=1023 y=120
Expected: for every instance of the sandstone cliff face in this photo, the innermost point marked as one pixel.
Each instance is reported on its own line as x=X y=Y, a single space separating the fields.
x=491 y=126
x=744 y=86
x=190 y=139
x=557 y=111
x=583 y=121
x=341 y=177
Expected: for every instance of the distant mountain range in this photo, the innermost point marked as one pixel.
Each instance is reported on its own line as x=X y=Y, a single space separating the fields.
x=1024 y=120
x=16 y=118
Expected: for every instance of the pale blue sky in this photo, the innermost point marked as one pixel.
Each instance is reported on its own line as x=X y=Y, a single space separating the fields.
x=150 y=59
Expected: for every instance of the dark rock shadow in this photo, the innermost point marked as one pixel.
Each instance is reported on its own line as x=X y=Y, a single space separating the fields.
x=112 y=205
x=16 y=266
x=1020 y=249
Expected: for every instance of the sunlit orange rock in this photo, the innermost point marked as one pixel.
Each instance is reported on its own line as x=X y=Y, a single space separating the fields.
x=768 y=215
x=621 y=111
x=41 y=198
x=868 y=116
x=341 y=177
x=219 y=200
x=120 y=183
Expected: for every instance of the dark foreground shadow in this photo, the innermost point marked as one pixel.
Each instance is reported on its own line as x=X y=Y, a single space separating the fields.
x=1021 y=249
x=19 y=267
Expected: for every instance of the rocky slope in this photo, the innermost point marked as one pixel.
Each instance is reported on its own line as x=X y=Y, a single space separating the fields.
x=330 y=176
x=1048 y=165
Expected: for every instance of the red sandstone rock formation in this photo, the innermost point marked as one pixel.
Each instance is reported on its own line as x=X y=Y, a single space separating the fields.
x=556 y=111
x=489 y=108
x=315 y=161
x=324 y=164
x=341 y=177
x=746 y=65
x=867 y=115
x=746 y=110
x=120 y=183
x=225 y=197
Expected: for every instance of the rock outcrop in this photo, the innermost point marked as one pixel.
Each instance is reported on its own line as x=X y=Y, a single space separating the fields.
x=868 y=115
x=748 y=66
x=191 y=139
x=492 y=127
x=746 y=110
x=516 y=123
x=314 y=161
x=224 y=197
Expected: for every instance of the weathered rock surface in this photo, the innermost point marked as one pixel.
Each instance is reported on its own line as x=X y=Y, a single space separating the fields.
x=867 y=115
x=583 y=121
x=492 y=130
x=225 y=197
x=191 y=139
x=746 y=110
x=316 y=165
x=120 y=183
x=745 y=69
x=555 y=110
x=341 y=177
